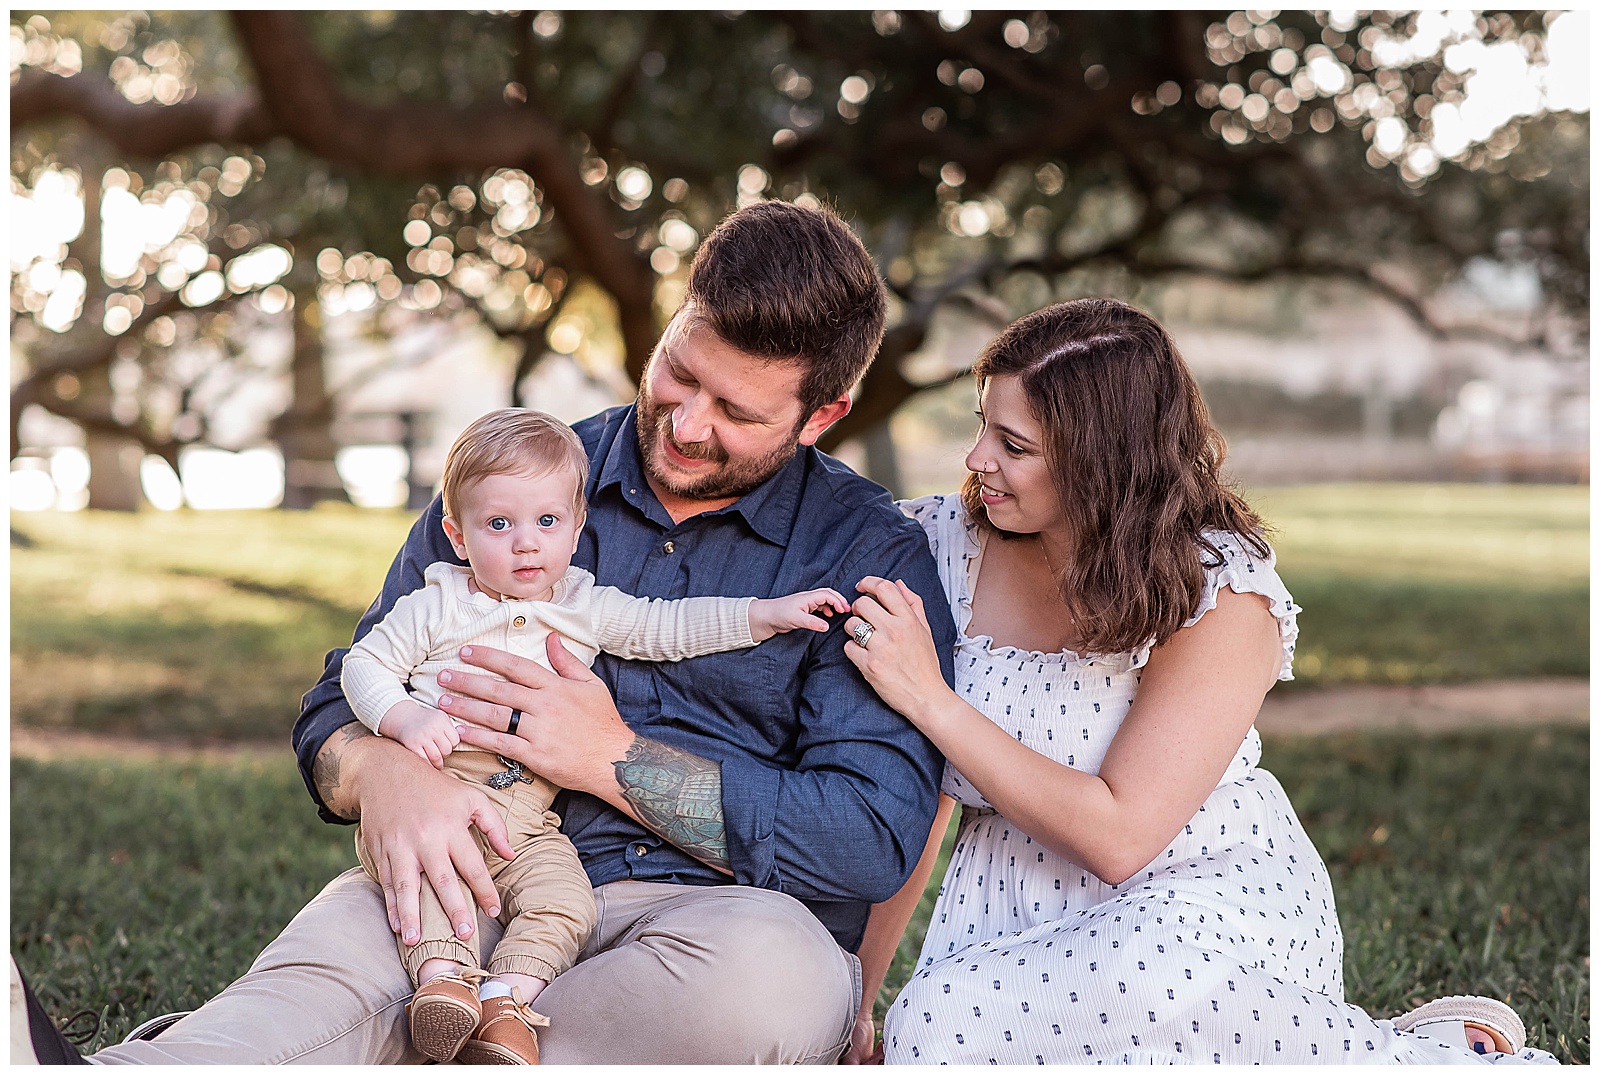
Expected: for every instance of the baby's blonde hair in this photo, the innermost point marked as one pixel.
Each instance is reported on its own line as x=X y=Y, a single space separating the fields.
x=513 y=440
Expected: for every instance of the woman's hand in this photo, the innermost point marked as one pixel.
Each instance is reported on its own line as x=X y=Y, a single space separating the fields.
x=863 y=1047
x=899 y=659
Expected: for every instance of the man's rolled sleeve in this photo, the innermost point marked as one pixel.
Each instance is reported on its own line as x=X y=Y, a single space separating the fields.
x=324 y=709
x=750 y=793
x=851 y=817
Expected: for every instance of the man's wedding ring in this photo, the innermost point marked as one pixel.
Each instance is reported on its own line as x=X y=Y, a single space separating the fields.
x=861 y=632
x=516 y=719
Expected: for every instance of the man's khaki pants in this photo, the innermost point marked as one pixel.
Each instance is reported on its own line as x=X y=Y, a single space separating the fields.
x=675 y=974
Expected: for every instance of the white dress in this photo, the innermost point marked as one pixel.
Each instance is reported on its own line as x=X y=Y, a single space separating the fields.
x=1225 y=949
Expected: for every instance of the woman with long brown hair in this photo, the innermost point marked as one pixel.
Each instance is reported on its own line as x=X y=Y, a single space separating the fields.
x=1127 y=884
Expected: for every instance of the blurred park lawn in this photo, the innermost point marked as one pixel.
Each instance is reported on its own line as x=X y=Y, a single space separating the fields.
x=212 y=624
x=137 y=889
x=1434 y=583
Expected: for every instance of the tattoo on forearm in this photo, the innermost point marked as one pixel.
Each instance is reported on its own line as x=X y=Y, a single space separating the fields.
x=677 y=794
x=325 y=769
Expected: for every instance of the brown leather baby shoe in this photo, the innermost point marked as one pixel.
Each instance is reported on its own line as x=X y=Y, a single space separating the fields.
x=505 y=1035
x=444 y=1013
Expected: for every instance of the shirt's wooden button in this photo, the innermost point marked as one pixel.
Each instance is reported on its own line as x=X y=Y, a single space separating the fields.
x=520 y=621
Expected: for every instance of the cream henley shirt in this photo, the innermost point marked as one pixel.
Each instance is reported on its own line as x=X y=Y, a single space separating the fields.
x=424 y=632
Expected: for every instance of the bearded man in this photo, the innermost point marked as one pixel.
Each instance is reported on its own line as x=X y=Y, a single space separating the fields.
x=737 y=813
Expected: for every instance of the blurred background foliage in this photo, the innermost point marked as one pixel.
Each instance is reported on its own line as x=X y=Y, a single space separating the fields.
x=507 y=168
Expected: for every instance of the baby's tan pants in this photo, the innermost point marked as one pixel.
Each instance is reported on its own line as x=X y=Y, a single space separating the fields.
x=546 y=904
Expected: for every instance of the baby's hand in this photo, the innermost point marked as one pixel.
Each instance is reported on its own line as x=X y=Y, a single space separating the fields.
x=776 y=615
x=422 y=730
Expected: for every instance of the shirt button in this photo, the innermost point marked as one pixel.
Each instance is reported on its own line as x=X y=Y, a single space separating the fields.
x=640 y=850
x=520 y=621
x=668 y=547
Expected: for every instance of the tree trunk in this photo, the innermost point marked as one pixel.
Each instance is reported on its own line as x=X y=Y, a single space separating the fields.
x=114 y=474
x=419 y=494
x=21 y=396
x=304 y=432
x=883 y=463
x=114 y=458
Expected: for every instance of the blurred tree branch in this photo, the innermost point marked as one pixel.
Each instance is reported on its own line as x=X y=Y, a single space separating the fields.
x=138 y=130
x=299 y=91
x=1053 y=143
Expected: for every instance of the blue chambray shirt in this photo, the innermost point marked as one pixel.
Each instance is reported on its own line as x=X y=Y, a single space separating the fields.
x=827 y=793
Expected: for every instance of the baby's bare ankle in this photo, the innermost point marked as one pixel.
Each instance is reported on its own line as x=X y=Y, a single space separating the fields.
x=433 y=968
x=525 y=986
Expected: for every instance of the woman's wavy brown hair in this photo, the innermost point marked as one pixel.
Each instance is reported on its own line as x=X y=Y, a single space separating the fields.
x=1135 y=462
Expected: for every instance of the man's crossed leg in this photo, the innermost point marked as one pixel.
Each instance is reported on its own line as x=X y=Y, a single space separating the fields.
x=675 y=974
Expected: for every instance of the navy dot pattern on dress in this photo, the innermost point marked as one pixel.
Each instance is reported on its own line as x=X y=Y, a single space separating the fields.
x=1225 y=949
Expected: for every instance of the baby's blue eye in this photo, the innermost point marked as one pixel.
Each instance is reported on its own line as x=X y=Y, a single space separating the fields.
x=547 y=520
x=499 y=522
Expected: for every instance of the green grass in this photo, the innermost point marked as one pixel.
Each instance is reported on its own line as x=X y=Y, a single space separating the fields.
x=1523 y=535
x=1460 y=864
x=188 y=624
x=1453 y=871
x=1434 y=583
x=212 y=624
x=137 y=889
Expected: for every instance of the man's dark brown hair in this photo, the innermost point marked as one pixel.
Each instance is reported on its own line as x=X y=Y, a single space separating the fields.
x=1135 y=461
x=786 y=283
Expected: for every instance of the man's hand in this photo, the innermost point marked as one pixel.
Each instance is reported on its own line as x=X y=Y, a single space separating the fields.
x=416 y=823
x=421 y=729
x=570 y=732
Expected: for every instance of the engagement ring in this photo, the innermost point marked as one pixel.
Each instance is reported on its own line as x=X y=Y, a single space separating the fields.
x=861 y=632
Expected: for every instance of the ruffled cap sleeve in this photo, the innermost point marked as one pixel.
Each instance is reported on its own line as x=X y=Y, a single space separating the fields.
x=1242 y=571
x=945 y=522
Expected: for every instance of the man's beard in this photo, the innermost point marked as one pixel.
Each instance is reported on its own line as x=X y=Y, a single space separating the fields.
x=730 y=479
